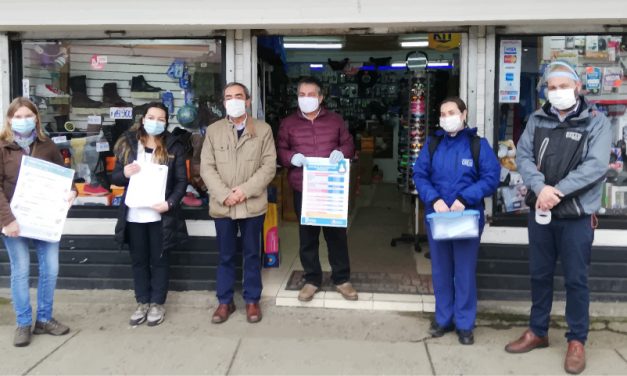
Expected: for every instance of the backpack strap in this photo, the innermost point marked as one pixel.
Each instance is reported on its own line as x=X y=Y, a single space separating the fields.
x=433 y=145
x=475 y=147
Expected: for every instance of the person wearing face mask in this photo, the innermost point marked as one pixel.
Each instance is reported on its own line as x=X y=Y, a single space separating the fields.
x=22 y=135
x=563 y=155
x=314 y=131
x=454 y=172
x=237 y=162
x=151 y=232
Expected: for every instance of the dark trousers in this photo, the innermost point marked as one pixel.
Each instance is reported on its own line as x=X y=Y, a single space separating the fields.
x=151 y=268
x=337 y=244
x=453 y=268
x=250 y=229
x=571 y=241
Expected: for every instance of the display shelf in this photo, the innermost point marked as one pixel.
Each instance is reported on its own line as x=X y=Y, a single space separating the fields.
x=145 y=95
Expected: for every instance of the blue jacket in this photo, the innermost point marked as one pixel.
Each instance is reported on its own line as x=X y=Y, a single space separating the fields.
x=452 y=174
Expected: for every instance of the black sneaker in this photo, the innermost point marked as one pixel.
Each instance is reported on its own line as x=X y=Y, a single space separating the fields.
x=438 y=331
x=465 y=337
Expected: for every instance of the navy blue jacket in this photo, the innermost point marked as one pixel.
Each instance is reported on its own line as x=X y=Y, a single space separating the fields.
x=452 y=175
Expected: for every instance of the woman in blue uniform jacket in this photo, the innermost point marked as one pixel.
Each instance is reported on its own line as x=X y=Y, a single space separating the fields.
x=450 y=181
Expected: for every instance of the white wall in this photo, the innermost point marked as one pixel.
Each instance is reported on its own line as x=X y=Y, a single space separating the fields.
x=254 y=14
x=4 y=76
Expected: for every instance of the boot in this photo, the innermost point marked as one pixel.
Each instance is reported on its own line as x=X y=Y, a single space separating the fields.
x=138 y=83
x=78 y=86
x=61 y=120
x=111 y=98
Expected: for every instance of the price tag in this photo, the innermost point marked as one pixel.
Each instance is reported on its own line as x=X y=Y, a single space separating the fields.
x=94 y=119
x=59 y=139
x=26 y=88
x=121 y=112
x=102 y=146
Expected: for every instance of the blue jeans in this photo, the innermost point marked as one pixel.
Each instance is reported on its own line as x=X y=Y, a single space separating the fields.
x=48 y=257
x=250 y=229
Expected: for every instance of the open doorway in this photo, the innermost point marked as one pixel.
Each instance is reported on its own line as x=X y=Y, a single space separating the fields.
x=387 y=88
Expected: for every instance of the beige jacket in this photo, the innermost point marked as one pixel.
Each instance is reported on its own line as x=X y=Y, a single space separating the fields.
x=226 y=162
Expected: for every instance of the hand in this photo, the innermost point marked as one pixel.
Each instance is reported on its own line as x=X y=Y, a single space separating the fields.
x=230 y=200
x=71 y=196
x=336 y=156
x=440 y=206
x=548 y=198
x=299 y=160
x=161 y=207
x=457 y=206
x=131 y=169
x=12 y=230
x=238 y=194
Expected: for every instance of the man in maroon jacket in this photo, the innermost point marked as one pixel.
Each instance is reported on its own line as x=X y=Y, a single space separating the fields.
x=313 y=131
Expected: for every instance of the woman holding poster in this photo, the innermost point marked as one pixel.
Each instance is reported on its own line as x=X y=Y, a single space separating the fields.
x=150 y=231
x=22 y=135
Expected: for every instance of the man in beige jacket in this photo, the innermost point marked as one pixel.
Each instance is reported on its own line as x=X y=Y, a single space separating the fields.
x=238 y=161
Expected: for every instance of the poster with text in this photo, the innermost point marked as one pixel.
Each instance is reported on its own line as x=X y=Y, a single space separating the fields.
x=40 y=202
x=509 y=71
x=325 y=193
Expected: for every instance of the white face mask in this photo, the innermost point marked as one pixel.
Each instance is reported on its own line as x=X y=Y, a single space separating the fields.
x=451 y=123
x=235 y=107
x=562 y=99
x=308 y=104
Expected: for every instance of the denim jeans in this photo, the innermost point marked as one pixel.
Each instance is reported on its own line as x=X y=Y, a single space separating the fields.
x=48 y=257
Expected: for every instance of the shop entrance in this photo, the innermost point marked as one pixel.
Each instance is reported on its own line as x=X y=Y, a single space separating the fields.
x=387 y=89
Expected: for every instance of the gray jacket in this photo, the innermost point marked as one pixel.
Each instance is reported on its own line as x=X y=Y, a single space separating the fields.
x=572 y=156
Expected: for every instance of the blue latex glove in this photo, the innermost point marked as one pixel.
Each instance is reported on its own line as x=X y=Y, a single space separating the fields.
x=336 y=156
x=299 y=160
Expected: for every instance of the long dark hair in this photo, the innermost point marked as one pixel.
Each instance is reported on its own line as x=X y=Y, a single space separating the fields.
x=160 y=153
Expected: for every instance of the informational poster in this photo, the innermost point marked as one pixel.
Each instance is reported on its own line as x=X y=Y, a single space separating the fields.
x=325 y=193
x=40 y=202
x=509 y=71
x=147 y=187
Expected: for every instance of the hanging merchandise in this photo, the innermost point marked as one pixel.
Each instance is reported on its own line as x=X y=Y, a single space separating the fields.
x=167 y=99
x=186 y=115
x=176 y=69
x=185 y=82
x=593 y=79
x=189 y=97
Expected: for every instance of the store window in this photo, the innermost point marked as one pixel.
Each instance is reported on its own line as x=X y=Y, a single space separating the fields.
x=89 y=92
x=600 y=61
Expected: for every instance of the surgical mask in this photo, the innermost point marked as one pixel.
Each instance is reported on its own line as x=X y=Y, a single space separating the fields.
x=154 y=127
x=235 y=107
x=562 y=99
x=308 y=104
x=451 y=123
x=23 y=125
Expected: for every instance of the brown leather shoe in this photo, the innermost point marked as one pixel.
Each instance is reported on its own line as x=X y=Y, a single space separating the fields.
x=347 y=290
x=575 y=361
x=527 y=342
x=222 y=313
x=253 y=312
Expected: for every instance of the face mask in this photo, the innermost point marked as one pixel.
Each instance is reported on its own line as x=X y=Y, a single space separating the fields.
x=154 y=127
x=235 y=107
x=451 y=123
x=25 y=125
x=562 y=99
x=308 y=104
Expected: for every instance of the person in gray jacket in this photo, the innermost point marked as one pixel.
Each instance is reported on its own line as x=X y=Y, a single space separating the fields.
x=563 y=156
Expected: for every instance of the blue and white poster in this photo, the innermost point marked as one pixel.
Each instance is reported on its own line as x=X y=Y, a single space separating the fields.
x=325 y=193
x=509 y=71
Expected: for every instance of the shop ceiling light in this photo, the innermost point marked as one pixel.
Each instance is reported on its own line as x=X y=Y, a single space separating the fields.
x=414 y=40
x=399 y=65
x=415 y=43
x=314 y=43
x=316 y=65
x=439 y=65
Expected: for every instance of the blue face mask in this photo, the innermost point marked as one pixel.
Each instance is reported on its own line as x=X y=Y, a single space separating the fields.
x=24 y=125
x=154 y=127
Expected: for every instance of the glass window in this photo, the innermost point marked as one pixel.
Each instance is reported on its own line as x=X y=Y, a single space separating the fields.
x=600 y=61
x=90 y=91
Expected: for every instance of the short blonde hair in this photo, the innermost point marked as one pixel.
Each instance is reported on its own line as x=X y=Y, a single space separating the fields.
x=7 y=132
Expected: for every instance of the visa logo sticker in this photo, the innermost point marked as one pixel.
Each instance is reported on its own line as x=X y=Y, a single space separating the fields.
x=573 y=136
x=467 y=162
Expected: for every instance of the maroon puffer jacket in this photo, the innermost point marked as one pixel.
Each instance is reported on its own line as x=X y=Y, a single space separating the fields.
x=317 y=138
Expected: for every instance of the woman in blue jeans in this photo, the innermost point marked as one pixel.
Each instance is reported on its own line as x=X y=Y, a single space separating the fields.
x=22 y=135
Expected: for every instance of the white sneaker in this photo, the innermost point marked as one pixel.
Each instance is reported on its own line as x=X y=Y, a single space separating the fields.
x=156 y=315
x=139 y=316
x=43 y=90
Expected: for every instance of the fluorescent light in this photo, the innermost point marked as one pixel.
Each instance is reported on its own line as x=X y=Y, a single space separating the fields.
x=438 y=65
x=414 y=43
x=316 y=66
x=314 y=46
x=399 y=65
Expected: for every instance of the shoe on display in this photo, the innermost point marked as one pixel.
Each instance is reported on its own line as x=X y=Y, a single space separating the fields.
x=156 y=314
x=48 y=91
x=95 y=190
x=52 y=327
x=22 y=336
x=111 y=98
x=191 y=200
x=78 y=87
x=139 y=316
x=138 y=83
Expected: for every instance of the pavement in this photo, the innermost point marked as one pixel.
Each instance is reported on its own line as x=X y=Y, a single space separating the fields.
x=288 y=341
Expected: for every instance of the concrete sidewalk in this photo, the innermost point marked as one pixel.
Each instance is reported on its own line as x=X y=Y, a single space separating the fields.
x=287 y=341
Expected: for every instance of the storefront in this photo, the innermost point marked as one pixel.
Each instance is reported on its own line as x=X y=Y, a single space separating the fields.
x=221 y=45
